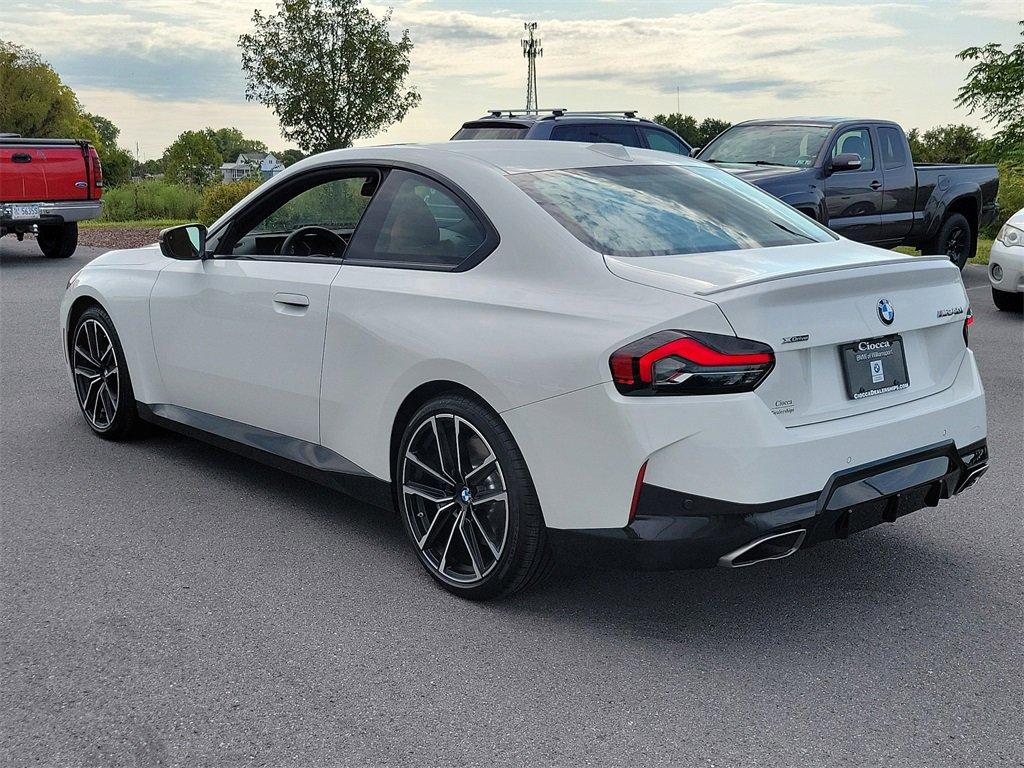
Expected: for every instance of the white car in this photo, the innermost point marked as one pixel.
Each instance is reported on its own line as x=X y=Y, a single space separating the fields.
x=627 y=356
x=1006 y=265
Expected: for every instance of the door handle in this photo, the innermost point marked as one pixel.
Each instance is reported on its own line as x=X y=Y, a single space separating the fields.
x=21 y=157
x=876 y=184
x=291 y=299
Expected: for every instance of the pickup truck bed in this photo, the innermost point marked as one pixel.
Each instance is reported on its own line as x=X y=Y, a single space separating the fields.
x=47 y=186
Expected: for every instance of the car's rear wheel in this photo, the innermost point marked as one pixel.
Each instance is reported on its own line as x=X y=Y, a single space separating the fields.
x=57 y=241
x=467 y=501
x=102 y=384
x=955 y=239
x=1008 y=302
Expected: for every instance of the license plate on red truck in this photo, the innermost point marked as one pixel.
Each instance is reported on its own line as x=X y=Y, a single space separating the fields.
x=25 y=210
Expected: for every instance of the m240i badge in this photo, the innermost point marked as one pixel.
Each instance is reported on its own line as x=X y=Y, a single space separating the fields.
x=950 y=312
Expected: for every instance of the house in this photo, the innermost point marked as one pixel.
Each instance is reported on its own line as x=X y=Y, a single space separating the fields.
x=250 y=164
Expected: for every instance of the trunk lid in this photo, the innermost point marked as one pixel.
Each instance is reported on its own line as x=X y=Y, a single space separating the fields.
x=807 y=301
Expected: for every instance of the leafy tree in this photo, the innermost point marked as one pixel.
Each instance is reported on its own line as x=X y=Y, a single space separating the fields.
x=151 y=167
x=35 y=102
x=192 y=159
x=231 y=142
x=329 y=70
x=694 y=133
x=105 y=128
x=994 y=86
x=289 y=156
x=945 y=144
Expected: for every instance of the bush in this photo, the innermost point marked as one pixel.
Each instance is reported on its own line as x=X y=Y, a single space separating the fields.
x=151 y=199
x=1011 y=197
x=218 y=198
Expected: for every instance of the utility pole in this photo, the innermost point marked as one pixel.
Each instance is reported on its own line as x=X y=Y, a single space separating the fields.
x=531 y=51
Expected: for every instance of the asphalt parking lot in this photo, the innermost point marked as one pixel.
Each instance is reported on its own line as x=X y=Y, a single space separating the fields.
x=168 y=603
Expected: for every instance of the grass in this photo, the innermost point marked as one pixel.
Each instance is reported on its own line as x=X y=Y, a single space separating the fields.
x=984 y=248
x=137 y=224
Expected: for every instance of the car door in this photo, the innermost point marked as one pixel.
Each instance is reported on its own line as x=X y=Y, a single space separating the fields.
x=239 y=337
x=854 y=197
x=900 y=185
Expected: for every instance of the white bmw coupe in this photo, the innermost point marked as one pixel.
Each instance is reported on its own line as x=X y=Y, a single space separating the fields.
x=618 y=354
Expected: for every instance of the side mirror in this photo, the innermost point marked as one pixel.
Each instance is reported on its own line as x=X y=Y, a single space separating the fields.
x=848 y=161
x=694 y=151
x=186 y=242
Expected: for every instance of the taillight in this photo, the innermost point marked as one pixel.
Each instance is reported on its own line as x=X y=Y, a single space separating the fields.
x=690 y=363
x=968 y=322
x=97 y=170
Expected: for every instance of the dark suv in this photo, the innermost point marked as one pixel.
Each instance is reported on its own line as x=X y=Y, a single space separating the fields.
x=623 y=128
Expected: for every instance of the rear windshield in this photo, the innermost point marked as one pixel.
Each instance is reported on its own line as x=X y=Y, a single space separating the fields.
x=491 y=132
x=653 y=210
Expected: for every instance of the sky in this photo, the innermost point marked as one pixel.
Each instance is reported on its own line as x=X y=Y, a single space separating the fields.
x=160 y=67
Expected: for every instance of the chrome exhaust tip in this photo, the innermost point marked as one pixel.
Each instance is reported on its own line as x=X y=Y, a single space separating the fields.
x=973 y=476
x=773 y=547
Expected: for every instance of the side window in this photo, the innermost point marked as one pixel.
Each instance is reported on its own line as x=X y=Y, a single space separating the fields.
x=414 y=221
x=310 y=219
x=597 y=133
x=664 y=142
x=858 y=142
x=893 y=148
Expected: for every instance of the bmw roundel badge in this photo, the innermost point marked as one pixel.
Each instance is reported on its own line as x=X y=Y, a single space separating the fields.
x=885 y=311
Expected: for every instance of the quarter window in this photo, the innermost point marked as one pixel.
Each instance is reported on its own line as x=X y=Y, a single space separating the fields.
x=893 y=148
x=415 y=222
x=858 y=142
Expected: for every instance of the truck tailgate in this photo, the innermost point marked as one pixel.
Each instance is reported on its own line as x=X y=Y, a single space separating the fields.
x=43 y=172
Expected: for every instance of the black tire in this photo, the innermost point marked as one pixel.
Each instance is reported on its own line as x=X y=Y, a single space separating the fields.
x=58 y=241
x=114 y=416
x=955 y=239
x=1008 y=302
x=524 y=554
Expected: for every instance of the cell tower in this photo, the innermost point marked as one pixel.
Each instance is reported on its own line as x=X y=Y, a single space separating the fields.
x=531 y=50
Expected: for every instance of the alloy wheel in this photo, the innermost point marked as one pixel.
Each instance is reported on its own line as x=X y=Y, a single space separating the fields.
x=957 y=246
x=97 y=379
x=455 y=499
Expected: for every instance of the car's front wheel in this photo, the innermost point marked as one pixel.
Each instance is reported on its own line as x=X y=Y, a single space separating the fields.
x=467 y=501
x=102 y=384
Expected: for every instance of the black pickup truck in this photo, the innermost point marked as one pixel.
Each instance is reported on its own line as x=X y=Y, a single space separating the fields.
x=857 y=177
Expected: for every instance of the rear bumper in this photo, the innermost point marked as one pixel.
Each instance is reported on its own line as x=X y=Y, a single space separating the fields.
x=51 y=213
x=675 y=530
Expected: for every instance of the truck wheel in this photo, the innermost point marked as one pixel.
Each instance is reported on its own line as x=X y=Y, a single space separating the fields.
x=1008 y=302
x=58 y=241
x=955 y=240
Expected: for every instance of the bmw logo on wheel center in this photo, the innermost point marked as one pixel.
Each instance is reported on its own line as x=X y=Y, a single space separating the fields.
x=885 y=311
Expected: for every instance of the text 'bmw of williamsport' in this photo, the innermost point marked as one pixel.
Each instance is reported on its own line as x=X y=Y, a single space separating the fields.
x=533 y=347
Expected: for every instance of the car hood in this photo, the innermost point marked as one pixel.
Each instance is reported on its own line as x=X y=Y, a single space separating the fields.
x=756 y=173
x=700 y=274
x=145 y=255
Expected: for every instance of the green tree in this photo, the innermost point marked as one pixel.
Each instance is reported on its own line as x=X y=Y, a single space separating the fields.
x=35 y=102
x=329 y=70
x=192 y=159
x=152 y=167
x=105 y=128
x=231 y=142
x=289 y=156
x=694 y=133
x=945 y=144
x=994 y=86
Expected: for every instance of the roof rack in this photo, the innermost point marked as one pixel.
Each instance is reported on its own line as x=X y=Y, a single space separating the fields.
x=560 y=112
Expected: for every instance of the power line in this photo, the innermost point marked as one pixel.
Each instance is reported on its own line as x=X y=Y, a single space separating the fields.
x=531 y=50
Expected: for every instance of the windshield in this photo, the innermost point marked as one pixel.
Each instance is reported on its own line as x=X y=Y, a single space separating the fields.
x=491 y=132
x=653 y=210
x=792 y=145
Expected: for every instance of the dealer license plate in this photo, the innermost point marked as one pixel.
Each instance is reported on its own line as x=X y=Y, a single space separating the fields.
x=874 y=367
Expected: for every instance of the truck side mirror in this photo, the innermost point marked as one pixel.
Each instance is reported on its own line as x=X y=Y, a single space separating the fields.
x=186 y=242
x=848 y=161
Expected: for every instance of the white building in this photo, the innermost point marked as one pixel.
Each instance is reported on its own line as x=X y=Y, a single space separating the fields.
x=250 y=163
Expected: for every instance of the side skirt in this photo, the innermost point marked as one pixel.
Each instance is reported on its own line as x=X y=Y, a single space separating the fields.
x=297 y=457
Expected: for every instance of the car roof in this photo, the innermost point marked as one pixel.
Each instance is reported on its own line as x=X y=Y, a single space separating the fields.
x=824 y=121
x=502 y=156
x=505 y=117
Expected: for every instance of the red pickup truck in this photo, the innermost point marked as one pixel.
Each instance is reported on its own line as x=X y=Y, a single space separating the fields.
x=48 y=186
